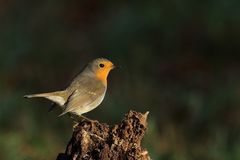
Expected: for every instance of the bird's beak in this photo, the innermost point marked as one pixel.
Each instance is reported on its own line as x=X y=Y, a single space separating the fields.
x=113 y=66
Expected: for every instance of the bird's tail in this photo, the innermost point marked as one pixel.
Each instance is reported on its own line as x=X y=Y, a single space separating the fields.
x=58 y=97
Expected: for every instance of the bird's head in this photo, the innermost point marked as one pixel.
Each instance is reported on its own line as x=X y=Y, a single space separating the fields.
x=101 y=68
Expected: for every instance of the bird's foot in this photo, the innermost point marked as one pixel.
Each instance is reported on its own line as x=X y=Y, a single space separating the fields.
x=78 y=119
x=90 y=120
x=75 y=124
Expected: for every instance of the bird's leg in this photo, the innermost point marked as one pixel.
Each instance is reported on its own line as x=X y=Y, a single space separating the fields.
x=90 y=120
x=75 y=122
x=76 y=119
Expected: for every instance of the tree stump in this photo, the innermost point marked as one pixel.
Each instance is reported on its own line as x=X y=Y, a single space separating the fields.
x=97 y=141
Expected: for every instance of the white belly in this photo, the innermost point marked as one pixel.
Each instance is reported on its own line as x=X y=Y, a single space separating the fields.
x=90 y=106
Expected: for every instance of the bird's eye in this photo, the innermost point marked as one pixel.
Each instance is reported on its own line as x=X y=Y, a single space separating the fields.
x=101 y=65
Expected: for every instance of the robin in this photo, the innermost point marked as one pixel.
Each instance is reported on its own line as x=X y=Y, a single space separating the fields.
x=86 y=91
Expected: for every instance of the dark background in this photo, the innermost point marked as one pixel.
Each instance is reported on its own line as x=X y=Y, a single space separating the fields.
x=179 y=60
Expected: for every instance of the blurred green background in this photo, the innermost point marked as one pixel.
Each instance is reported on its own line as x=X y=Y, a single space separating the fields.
x=179 y=60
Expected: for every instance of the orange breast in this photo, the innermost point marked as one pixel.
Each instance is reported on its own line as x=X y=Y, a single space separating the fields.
x=102 y=75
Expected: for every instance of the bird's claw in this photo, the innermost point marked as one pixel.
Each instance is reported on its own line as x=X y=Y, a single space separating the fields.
x=75 y=124
x=90 y=120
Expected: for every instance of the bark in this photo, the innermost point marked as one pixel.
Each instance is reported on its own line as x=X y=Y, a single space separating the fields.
x=97 y=141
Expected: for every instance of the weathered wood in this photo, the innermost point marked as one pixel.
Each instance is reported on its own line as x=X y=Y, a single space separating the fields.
x=97 y=141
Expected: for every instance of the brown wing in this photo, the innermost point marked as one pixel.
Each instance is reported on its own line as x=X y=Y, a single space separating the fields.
x=81 y=98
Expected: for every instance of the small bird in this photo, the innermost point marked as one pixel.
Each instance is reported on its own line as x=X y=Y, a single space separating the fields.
x=86 y=91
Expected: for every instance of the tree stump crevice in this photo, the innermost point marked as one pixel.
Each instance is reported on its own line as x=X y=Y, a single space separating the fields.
x=97 y=141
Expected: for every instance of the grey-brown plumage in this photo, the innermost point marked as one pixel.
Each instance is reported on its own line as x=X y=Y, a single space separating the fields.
x=85 y=92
